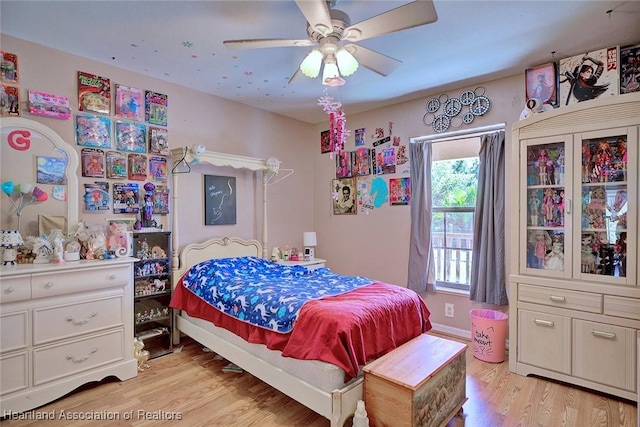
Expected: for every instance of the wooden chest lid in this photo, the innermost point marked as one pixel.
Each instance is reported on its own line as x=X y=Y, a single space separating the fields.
x=415 y=362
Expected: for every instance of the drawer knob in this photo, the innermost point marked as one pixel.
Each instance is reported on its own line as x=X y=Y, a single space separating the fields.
x=10 y=289
x=113 y=277
x=603 y=334
x=76 y=322
x=83 y=358
x=556 y=298
x=48 y=285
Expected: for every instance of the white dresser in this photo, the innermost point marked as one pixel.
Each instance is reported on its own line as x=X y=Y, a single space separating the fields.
x=61 y=326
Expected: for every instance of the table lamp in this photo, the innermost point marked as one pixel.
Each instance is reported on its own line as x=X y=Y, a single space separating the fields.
x=9 y=239
x=309 y=241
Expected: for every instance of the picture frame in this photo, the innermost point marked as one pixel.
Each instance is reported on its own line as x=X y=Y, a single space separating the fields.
x=399 y=191
x=589 y=75
x=219 y=200
x=325 y=143
x=629 y=69
x=541 y=82
x=343 y=195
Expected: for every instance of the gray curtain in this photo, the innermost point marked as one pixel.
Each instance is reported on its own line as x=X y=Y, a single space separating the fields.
x=421 y=275
x=488 y=278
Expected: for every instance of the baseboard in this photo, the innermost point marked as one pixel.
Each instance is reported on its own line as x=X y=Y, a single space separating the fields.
x=449 y=330
x=456 y=332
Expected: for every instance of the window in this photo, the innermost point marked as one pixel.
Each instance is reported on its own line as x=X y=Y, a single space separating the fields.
x=454 y=184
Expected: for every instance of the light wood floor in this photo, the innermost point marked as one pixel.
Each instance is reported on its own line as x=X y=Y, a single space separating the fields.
x=190 y=385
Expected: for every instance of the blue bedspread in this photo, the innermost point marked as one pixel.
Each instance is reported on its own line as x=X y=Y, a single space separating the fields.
x=262 y=292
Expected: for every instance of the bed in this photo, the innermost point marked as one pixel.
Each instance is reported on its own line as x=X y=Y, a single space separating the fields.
x=331 y=386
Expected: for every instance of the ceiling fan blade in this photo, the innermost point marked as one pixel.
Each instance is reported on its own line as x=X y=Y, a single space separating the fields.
x=317 y=14
x=264 y=43
x=297 y=76
x=376 y=62
x=414 y=14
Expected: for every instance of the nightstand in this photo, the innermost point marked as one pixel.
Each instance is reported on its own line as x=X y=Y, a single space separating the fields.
x=311 y=264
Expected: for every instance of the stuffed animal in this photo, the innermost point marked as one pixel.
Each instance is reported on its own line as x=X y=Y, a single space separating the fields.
x=118 y=240
x=534 y=106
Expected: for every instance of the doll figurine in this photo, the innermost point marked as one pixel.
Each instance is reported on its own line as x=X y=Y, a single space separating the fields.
x=542 y=163
x=554 y=260
x=534 y=209
x=540 y=242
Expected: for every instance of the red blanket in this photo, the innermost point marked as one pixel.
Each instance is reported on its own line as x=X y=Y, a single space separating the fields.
x=347 y=330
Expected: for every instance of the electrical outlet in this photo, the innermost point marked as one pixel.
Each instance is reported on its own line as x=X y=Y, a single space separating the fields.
x=448 y=310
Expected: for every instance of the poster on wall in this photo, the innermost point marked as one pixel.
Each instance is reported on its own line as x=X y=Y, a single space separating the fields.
x=344 y=163
x=94 y=93
x=325 y=143
x=630 y=69
x=589 y=76
x=219 y=200
x=541 y=83
x=51 y=170
x=360 y=136
x=96 y=196
x=399 y=191
x=343 y=193
x=362 y=162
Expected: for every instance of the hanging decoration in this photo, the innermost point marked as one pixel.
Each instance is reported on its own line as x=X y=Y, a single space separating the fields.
x=338 y=132
x=476 y=102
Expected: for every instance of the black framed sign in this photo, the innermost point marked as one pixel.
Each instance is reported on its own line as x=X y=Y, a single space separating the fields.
x=219 y=200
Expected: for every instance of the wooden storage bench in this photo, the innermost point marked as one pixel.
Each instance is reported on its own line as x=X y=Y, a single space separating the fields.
x=421 y=383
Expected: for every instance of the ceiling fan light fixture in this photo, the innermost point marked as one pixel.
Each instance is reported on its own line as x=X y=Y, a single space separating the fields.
x=331 y=75
x=347 y=63
x=310 y=66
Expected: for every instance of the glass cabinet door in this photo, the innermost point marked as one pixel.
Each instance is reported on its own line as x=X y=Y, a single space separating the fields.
x=547 y=185
x=608 y=180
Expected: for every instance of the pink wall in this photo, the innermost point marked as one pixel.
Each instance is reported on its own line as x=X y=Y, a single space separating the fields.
x=374 y=245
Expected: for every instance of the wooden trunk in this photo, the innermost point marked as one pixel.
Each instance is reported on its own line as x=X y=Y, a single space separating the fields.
x=421 y=383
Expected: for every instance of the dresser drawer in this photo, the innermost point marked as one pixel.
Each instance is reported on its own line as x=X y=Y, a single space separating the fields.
x=66 y=359
x=15 y=289
x=544 y=340
x=573 y=300
x=14 y=372
x=50 y=284
x=13 y=327
x=622 y=307
x=605 y=354
x=64 y=321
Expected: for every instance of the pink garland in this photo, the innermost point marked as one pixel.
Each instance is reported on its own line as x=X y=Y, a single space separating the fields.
x=337 y=121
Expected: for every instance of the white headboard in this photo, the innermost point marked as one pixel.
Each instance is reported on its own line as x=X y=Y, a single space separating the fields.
x=219 y=247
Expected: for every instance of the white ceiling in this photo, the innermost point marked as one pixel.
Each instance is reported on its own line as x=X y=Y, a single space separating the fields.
x=181 y=42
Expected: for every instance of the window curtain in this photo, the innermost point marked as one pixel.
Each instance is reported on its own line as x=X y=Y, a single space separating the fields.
x=488 y=278
x=421 y=275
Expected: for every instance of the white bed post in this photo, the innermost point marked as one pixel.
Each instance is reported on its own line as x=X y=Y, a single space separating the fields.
x=265 y=248
x=174 y=227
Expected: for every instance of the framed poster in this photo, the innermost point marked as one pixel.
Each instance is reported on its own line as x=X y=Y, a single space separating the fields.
x=630 y=69
x=219 y=200
x=325 y=144
x=343 y=194
x=541 y=82
x=399 y=191
x=589 y=75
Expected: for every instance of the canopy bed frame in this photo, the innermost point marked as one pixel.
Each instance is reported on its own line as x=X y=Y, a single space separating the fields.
x=337 y=404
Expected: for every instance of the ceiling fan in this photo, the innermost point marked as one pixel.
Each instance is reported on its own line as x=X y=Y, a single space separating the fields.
x=328 y=29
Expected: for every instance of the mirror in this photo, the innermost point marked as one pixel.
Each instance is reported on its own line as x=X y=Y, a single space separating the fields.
x=38 y=177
